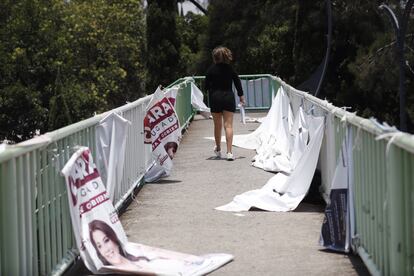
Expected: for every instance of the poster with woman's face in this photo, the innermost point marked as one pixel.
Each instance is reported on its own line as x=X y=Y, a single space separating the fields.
x=162 y=129
x=101 y=239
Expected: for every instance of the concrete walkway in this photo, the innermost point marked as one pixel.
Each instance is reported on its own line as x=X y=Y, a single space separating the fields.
x=178 y=214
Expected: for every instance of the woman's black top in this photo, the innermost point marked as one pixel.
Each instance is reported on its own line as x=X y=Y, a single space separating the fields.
x=218 y=83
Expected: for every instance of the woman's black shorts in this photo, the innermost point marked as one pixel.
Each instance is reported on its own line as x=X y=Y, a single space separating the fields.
x=222 y=100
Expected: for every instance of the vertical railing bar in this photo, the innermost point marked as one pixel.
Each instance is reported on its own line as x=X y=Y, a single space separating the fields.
x=373 y=196
x=262 y=92
x=408 y=235
x=59 y=198
x=52 y=204
x=253 y=81
x=365 y=220
x=27 y=173
x=357 y=183
x=385 y=210
x=21 y=219
x=377 y=192
x=66 y=225
x=33 y=191
x=40 y=215
x=46 y=203
x=380 y=197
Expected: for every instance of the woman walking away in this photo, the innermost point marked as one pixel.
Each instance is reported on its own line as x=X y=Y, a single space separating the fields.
x=219 y=79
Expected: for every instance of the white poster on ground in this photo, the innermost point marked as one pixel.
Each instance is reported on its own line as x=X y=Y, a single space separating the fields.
x=111 y=134
x=271 y=139
x=162 y=131
x=101 y=239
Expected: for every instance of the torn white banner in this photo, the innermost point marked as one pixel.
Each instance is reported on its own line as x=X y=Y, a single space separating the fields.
x=282 y=192
x=275 y=126
x=197 y=101
x=111 y=134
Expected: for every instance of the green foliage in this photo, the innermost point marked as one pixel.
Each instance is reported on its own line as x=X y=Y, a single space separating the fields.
x=73 y=58
x=163 y=44
x=191 y=31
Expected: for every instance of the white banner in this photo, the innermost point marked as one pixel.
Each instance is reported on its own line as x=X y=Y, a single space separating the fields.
x=283 y=144
x=111 y=134
x=101 y=240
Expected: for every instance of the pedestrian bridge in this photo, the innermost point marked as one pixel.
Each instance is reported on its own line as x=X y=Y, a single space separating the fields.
x=178 y=213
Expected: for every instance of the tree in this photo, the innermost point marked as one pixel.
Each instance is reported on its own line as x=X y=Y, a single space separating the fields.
x=163 y=44
x=76 y=56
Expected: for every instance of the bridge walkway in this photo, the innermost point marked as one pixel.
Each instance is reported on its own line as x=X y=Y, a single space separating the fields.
x=178 y=214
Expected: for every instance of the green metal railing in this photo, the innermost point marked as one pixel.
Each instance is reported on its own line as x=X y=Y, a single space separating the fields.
x=259 y=90
x=383 y=192
x=36 y=235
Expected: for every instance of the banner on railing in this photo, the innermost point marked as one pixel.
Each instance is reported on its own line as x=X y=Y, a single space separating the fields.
x=111 y=134
x=162 y=131
x=101 y=239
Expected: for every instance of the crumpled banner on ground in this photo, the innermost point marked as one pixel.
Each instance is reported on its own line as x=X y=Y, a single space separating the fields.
x=290 y=147
x=101 y=239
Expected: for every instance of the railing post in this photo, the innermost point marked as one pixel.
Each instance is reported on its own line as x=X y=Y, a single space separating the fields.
x=395 y=204
x=10 y=260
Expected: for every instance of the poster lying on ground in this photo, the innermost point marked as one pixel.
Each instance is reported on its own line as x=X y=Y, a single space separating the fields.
x=101 y=239
x=162 y=131
x=337 y=226
x=286 y=144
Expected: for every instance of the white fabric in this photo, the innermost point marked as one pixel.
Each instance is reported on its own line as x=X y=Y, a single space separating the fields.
x=327 y=156
x=274 y=127
x=197 y=101
x=111 y=134
x=282 y=192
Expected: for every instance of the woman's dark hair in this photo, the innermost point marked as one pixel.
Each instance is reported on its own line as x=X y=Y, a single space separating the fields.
x=222 y=55
x=110 y=233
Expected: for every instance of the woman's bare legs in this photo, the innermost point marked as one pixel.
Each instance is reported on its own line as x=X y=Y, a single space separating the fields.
x=228 y=129
x=218 y=125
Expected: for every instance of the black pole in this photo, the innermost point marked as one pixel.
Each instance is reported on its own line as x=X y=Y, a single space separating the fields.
x=198 y=5
x=400 y=27
x=328 y=45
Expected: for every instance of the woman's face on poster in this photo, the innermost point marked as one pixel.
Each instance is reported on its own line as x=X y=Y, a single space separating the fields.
x=107 y=248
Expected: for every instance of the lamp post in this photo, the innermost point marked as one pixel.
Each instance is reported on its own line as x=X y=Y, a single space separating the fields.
x=400 y=28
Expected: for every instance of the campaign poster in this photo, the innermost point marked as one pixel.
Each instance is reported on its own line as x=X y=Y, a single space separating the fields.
x=162 y=131
x=101 y=239
x=338 y=225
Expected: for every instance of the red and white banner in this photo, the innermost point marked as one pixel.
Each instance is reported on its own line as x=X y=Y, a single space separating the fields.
x=101 y=240
x=162 y=130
